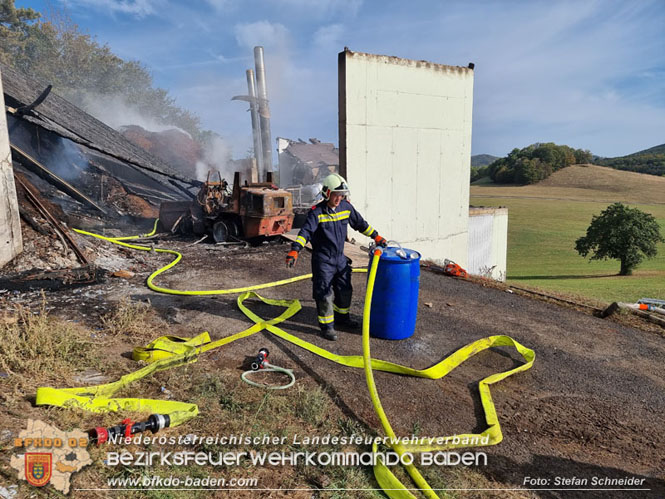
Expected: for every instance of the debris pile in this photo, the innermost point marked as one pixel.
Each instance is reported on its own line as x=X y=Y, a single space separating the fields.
x=306 y=164
x=175 y=147
x=72 y=170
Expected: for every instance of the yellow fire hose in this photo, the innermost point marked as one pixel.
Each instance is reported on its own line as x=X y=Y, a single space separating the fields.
x=170 y=351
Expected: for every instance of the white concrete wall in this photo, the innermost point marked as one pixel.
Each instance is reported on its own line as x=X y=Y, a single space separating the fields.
x=11 y=243
x=488 y=242
x=500 y=244
x=405 y=148
x=481 y=228
x=285 y=165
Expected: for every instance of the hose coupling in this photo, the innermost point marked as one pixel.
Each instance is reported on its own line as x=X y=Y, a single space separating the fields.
x=261 y=360
x=128 y=428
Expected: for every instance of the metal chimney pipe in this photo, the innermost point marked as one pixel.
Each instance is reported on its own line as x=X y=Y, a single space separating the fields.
x=256 y=127
x=264 y=109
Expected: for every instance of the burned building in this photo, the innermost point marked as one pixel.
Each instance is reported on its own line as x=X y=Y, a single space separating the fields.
x=72 y=170
x=302 y=163
x=85 y=166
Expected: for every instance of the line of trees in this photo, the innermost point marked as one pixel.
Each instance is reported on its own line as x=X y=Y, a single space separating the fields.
x=653 y=164
x=53 y=50
x=532 y=163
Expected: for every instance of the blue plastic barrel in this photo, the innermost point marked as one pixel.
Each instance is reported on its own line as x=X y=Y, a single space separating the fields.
x=395 y=296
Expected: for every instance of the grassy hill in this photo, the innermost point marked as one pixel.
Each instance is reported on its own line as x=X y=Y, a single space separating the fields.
x=585 y=183
x=545 y=219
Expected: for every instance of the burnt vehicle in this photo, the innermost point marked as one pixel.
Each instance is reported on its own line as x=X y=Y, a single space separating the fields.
x=251 y=212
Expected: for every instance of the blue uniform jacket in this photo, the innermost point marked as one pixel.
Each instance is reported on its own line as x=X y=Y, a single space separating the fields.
x=326 y=230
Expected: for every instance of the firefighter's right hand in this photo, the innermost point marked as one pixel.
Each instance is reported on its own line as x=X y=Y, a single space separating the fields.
x=291 y=258
x=381 y=241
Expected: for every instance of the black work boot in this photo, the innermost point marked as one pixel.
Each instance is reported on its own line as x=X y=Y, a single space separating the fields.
x=346 y=322
x=329 y=332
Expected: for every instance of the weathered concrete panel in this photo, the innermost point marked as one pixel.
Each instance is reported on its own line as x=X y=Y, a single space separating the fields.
x=481 y=228
x=427 y=177
x=500 y=244
x=402 y=174
x=357 y=141
x=400 y=109
x=488 y=242
x=378 y=179
x=405 y=148
x=11 y=243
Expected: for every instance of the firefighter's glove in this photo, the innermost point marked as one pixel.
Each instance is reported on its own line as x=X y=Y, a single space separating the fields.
x=291 y=258
x=380 y=241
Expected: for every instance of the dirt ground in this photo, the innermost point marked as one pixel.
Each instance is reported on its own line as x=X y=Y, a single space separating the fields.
x=591 y=406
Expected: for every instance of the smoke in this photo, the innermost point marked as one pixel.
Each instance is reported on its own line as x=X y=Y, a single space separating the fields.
x=60 y=156
x=66 y=160
x=286 y=69
x=216 y=157
x=202 y=170
x=116 y=112
x=281 y=71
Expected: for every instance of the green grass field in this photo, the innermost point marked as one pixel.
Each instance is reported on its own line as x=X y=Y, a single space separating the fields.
x=541 y=248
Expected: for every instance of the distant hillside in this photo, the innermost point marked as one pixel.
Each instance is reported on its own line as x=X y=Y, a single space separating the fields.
x=651 y=161
x=531 y=164
x=652 y=150
x=585 y=183
x=482 y=159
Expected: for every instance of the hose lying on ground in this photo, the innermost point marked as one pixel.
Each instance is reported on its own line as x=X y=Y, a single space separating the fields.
x=169 y=351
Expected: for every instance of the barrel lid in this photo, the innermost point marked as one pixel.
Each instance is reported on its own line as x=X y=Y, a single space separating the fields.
x=399 y=255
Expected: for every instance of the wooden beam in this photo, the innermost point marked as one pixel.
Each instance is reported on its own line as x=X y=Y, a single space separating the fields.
x=51 y=177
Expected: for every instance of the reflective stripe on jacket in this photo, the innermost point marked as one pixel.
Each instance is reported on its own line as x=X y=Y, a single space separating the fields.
x=326 y=230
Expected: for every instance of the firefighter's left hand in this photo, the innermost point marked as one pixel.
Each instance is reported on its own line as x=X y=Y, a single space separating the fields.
x=380 y=241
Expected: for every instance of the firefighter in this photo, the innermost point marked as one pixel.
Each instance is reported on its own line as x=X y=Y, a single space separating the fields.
x=326 y=227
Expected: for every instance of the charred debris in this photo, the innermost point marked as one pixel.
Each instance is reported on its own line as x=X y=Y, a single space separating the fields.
x=72 y=170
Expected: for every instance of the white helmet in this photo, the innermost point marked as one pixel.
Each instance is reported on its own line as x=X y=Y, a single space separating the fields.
x=334 y=183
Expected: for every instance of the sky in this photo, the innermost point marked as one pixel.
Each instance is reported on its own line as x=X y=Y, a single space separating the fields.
x=588 y=74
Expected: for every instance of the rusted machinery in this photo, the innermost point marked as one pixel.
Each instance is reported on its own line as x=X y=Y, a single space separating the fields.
x=252 y=212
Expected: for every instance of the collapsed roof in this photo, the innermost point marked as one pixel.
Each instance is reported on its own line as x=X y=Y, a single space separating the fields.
x=102 y=147
x=72 y=170
x=316 y=153
x=303 y=163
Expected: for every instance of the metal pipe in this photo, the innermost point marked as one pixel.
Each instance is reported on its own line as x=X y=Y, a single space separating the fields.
x=256 y=126
x=264 y=109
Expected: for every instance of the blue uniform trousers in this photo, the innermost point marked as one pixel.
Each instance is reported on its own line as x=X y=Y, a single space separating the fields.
x=332 y=290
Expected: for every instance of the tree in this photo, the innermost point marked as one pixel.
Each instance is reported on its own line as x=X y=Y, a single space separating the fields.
x=14 y=27
x=530 y=171
x=535 y=163
x=583 y=156
x=479 y=172
x=54 y=50
x=622 y=233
